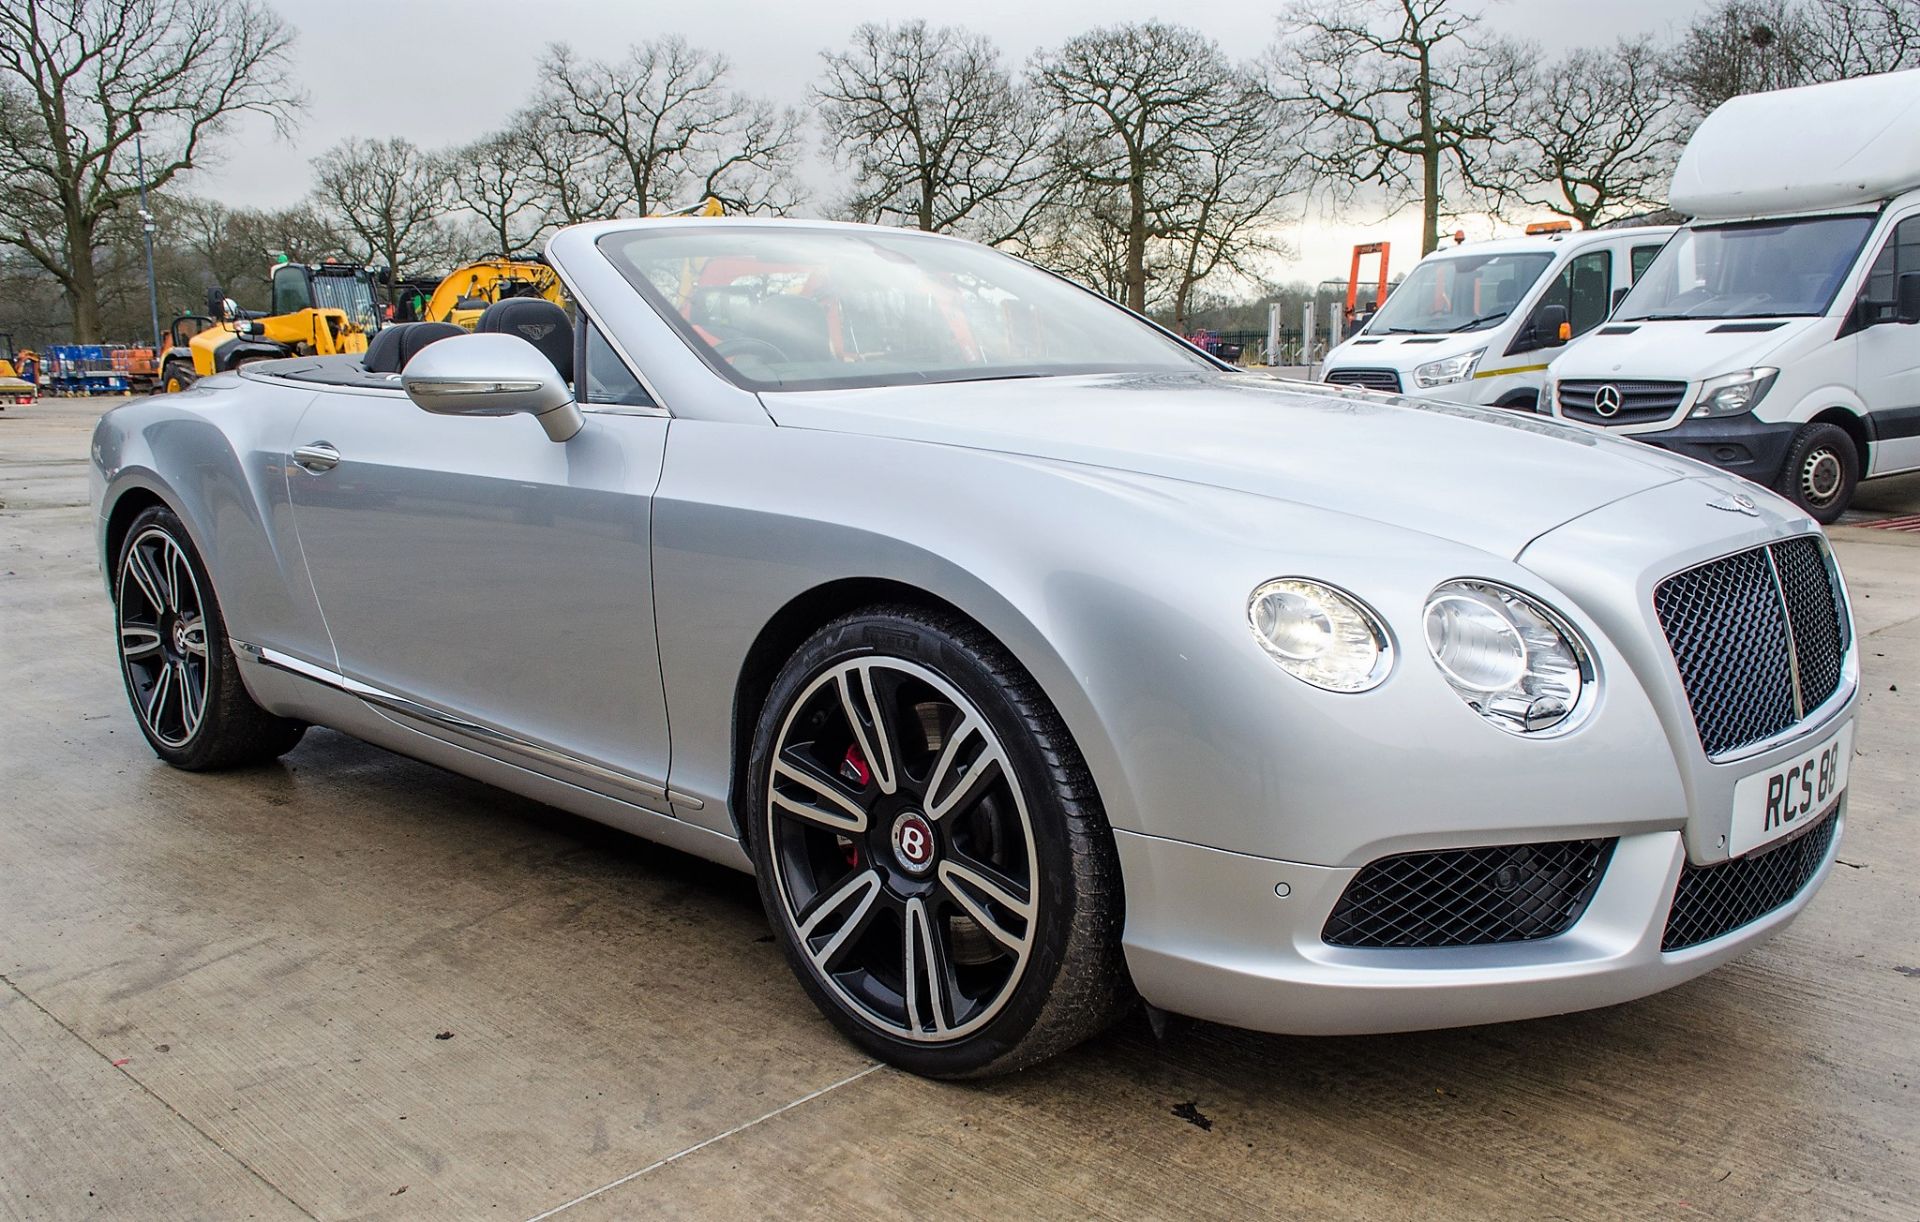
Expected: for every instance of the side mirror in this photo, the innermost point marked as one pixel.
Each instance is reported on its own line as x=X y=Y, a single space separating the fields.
x=1907 y=306
x=491 y=375
x=1550 y=326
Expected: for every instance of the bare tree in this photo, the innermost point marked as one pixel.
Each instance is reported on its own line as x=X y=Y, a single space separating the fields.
x=1844 y=38
x=666 y=119
x=573 y=180
x=78 y=79
x=1599 y=133
x=497 y=181
x=390 y=196
x=1235 y=178
x=1139 y=108
x=937 y=133
x=1741 y=46
x=1406 y=96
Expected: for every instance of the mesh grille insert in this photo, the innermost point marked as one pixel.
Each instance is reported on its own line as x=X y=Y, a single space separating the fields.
x=1715 y=900
x=1738 y=625
x=1469 y=897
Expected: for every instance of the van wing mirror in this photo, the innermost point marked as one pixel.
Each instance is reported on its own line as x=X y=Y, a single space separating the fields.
x=1550 y=326
x=1907 y=299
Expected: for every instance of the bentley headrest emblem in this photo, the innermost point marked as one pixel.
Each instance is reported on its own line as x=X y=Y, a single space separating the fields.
x=536 y=331
x=1736 y=503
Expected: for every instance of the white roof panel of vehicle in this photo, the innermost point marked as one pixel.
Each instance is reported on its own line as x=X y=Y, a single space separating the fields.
x=1812 y=149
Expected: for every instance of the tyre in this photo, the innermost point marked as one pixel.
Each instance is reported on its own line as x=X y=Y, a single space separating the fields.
x=180 y=673
x=1821 y=472
x=930 y=849
x=175 y=376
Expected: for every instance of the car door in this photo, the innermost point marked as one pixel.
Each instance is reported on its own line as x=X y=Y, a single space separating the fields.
x=1889 y=354
x=498 y=580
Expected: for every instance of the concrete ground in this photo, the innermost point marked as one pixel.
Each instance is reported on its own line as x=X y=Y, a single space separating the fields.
x=351 y=985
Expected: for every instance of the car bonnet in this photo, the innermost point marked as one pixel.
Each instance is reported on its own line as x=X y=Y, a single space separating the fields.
x=1490 y=478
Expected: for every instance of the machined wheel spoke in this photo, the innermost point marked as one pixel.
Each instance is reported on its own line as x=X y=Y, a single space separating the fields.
x=192 y=699
x=140 y=569
x=176 y=581
x=955 y=784
x=925 y=971
x=194 y=638
x=157 y=698
x=869 y=721
x=861 y=890
x=968 y=886
x=138 y=640
x=832 y=808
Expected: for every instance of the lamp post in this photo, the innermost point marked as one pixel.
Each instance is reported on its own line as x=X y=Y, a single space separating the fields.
x=147 y=228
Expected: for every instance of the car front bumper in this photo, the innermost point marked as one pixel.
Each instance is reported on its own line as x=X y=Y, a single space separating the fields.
x=1211 y=935
x=1740 y=444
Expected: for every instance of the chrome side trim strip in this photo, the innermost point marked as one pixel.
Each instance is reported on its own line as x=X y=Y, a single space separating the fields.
x=682 y=798
x=493 y=736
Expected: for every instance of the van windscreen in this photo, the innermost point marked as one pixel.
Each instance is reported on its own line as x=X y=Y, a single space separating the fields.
x=1768 y=269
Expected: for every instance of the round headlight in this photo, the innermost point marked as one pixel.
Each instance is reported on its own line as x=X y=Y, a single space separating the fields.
x=1516 y=662
x=1320 y=635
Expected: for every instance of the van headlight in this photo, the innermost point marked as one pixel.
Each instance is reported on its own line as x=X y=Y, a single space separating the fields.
x=1453 y=369
x=1320 y=635
x=1515 y=661
x=1732 y=394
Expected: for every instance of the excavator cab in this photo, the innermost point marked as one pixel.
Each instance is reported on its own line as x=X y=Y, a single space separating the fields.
x=316 y=309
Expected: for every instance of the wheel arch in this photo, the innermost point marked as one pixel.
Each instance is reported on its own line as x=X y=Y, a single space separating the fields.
x=132 y=501
x=1856 y=427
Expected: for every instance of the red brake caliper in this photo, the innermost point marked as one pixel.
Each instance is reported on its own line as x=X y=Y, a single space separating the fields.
x=853 y=767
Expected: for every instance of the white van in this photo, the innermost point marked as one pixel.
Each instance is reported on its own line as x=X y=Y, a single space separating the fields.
x=1774 y=335
x=1478 y=323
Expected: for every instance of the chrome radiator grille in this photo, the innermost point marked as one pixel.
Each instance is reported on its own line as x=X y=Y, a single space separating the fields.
x=1760 y=638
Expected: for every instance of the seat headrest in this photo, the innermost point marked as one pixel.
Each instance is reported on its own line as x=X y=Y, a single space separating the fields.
x=394 y=345
x=539 y=322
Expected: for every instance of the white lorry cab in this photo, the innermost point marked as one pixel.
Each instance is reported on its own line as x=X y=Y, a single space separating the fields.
x=1478 y=323
x=1774 y=336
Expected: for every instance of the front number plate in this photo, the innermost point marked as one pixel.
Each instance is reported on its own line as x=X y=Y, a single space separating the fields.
x=1787 y=796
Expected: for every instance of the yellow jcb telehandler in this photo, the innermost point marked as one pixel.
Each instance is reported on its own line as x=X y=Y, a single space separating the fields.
x=318 y=309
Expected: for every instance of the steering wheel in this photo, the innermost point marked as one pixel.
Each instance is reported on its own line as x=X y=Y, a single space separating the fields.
x=759 y=348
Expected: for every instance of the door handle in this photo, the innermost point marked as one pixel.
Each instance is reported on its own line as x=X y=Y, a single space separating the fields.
x=317 y=456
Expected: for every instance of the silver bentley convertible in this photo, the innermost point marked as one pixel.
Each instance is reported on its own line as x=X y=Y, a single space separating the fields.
x=1033 y=661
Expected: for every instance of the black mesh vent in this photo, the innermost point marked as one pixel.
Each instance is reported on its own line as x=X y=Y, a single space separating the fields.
x=1631 y=402
x=1715 y=900
x=1372 y=379
x=1729 y=637
x=1469 y=897
x=1819 y=629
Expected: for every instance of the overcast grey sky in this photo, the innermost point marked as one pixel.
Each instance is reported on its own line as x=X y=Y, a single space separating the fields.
x=440 y=72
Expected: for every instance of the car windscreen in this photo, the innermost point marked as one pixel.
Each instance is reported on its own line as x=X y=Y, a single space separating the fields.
x=1460 y=293
x=1771 y=269
x=776 y=308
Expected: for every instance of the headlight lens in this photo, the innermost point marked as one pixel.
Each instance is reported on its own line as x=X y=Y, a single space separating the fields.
x=1320 y=635
x=1513 y=660
x=1733 y=393
x=1453 y=369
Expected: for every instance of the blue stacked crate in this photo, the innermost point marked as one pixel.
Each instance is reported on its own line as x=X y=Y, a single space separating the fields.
x=101 y=377
x=66 y=370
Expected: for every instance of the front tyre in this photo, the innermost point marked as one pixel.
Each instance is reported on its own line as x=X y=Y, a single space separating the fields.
x=1821 y=472
x=930 y=849
x=179 y=670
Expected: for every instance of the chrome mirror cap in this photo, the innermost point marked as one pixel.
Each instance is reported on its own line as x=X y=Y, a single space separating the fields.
x=491 y=375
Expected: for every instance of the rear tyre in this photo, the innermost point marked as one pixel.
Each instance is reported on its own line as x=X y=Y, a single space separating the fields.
x=175 y=376
x=1821 y=472
x=179 y=669
x=930 y=849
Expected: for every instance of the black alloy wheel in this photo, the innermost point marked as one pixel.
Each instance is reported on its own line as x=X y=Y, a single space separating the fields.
x=180 y=673
x=930 y=851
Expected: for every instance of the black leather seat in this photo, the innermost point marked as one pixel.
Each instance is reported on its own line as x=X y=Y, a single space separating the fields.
x=539 y=322
x=394 y=345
